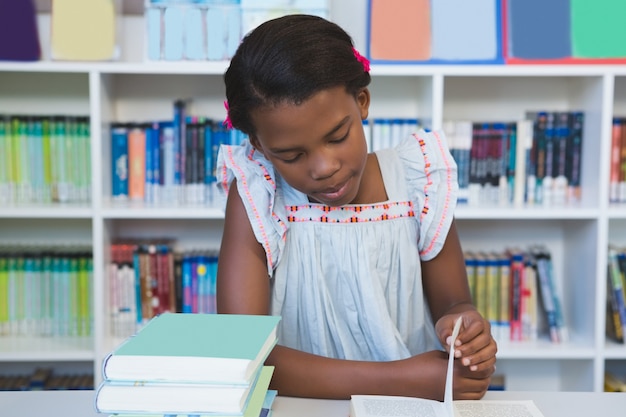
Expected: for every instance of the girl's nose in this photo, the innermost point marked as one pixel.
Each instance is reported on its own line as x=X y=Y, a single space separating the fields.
x=324 y=164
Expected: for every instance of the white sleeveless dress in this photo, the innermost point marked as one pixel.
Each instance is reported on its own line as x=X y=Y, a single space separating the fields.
x=347 y=280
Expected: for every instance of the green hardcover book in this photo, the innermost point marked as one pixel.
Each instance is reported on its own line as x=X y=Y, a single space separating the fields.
x=184 y=347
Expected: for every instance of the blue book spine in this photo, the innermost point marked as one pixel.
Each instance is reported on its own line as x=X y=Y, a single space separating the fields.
x=148 y=166
x=186 y=284
x=137 y=269
x=156 y=162
x=119 y=157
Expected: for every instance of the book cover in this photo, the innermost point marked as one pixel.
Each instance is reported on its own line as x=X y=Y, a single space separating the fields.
x=224 y=348
x=158 y=399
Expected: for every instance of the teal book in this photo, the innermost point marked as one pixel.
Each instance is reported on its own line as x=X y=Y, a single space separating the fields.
x=185 y=400
x=201 y=348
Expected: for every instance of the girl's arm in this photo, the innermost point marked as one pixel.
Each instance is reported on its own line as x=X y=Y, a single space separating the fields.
x=243 y=287
x=447 y=291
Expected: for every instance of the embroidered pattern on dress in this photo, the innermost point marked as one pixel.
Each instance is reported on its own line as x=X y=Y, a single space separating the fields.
x=429 y=182
x=350 y=214
x=270 y=180
x=243 y=183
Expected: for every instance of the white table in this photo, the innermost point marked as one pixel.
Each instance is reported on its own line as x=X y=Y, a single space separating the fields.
x=80 y=404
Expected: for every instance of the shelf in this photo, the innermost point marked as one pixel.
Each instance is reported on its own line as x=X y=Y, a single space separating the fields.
x=142 y=211
x=544 y=349
x=465 y=212
x=48 y=211
x=21 y=349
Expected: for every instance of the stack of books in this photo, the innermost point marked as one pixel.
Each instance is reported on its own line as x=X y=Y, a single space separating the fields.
x=191 y=364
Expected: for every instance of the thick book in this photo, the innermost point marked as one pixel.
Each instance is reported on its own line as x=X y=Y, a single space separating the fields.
x=398 y=406
x=201 y=348
x=154 y=399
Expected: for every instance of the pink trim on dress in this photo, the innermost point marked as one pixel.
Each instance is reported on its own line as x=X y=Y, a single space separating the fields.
x=446 y=208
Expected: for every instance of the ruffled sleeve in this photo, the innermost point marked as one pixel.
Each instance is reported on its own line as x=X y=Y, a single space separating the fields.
x=431 y=176
x=257 y=188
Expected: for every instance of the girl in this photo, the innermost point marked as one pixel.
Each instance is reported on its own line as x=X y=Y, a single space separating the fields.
x=357 y=252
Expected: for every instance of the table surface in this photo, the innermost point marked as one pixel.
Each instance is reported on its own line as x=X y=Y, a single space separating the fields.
x=80 y=404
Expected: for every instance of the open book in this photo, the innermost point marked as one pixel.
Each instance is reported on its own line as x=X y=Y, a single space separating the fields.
x=396 y=406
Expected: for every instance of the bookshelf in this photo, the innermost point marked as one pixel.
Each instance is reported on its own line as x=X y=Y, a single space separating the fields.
x=577 y=235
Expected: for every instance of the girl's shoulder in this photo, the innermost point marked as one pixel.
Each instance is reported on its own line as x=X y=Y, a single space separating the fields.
x=431 y=178
x=256 y=186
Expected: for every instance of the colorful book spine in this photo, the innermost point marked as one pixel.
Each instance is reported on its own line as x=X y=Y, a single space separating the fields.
x=119 y=159
x=136 y=163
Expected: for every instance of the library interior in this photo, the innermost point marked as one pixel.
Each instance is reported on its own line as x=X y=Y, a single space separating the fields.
x=112 y=114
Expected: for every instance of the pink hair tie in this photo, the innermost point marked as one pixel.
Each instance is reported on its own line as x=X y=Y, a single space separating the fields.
x=227 y=122
x=362 y=60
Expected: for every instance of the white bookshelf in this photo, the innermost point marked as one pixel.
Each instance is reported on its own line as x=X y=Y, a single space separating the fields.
x=577 y=235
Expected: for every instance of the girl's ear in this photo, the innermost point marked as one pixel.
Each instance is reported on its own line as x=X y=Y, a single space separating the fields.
x=363 y=101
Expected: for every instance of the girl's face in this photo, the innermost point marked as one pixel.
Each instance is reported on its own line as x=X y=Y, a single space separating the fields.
x=318 y=147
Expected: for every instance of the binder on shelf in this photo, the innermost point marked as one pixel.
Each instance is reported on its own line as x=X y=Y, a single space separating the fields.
x=429 y=32
x=538 y=29
x=84 y=31
x=19 y=34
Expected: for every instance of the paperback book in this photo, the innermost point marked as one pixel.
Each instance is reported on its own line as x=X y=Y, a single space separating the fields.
x=398 y=406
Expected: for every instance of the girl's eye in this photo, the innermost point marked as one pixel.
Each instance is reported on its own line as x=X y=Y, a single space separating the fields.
x=341 y=139
x=292 y=160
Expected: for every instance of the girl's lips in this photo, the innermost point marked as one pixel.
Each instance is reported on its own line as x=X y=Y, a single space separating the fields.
x=335 y=194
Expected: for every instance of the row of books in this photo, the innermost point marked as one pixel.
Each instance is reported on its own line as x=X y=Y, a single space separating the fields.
x=193 y=364
x=45 y=379
x=46 y=292
x=150 y=278
x=170 y=161
x=616 y=294
x=383 y=133
x=617 y=179
x=517 y=292
x=536 y=160
x=44 y=159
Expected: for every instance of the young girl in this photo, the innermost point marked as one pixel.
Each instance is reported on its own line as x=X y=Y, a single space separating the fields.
x=357 y=252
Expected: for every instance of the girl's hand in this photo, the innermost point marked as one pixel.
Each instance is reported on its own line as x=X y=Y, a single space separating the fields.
x=474 y=346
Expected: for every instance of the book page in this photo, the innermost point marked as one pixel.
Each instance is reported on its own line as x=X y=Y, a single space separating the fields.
x=496 y=408
x=397 y=406
x=390 y=406
x=447 y=396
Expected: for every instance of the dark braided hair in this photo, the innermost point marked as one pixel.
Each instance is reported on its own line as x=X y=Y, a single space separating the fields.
x=288 y=60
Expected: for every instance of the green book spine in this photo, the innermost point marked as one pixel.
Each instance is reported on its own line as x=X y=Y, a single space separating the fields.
x=54 y=160
x=68 y=158
x=57 y=295
x=17 y=154
x=4 y=295
x=61 y=184
x=47 y=294
x=30 y=292
x=20 y=312
x=74 y=295
x=12 y=289
x=4 y=163
x=85 y=159
x=47 y=160
x=39 y=296
x=25 y=163
x=83 y=297
x=38 y=159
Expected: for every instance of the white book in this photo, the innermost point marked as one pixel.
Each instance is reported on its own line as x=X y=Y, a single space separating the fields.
x=397 y=406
